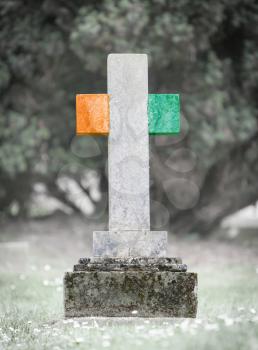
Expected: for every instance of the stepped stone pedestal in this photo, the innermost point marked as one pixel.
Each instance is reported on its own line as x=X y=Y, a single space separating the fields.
x=143 y=287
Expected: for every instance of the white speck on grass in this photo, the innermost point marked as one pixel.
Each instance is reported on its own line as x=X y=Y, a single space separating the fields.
x=211 y=327
x=184 y=325
x=22 y=277
x=47 y=267
x=192 y=331
x=240 y=308
x=222 y=317
x=58 y=281
x=198 y=321
x=106 y=344
x=229 y=321
x=45 y=282
x=106 y=336
x=95 y=324
x=157 y=333
x=238 y=320
x=253 y=311
x=29 y=322
x=79 y=340
x=13 y=287
x=134 y=312
x=139 y=327
x=70 y=320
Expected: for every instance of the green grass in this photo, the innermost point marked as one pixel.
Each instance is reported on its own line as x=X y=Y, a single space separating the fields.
x=31 y=316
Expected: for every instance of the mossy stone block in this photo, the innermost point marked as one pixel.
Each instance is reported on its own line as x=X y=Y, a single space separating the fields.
x=132 y=288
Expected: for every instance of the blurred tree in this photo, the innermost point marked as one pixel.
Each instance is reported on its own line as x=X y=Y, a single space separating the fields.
x=207 y=51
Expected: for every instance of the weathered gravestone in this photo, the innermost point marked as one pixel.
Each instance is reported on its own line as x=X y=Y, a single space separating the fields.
x=129 y=273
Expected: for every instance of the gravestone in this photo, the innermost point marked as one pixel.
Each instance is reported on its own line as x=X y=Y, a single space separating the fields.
x=129 y=273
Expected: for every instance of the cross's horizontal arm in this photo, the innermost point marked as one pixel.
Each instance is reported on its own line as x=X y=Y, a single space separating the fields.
x=92 y=114
x=163 y=114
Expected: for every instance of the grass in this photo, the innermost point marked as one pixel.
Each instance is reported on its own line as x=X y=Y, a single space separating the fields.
x=32 y=317
x=31 y=302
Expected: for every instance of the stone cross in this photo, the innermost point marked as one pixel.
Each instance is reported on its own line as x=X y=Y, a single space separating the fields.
x=128 y=114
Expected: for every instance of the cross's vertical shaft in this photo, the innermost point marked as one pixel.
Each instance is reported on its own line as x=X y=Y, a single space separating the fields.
x=128 y=154
x=128 y=164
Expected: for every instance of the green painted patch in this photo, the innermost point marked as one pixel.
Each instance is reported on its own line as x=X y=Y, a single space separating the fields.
x=163 y=114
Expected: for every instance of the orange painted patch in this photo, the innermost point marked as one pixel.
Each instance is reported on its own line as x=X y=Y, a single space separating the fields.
x=92 y=114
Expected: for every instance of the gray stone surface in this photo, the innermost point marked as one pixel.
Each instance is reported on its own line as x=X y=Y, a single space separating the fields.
x=128 y=143
x=144 y=261
x=129 y=243
x=130 y=293
x=132 y=264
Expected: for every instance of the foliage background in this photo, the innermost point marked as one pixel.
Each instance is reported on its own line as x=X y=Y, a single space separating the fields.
x=205 y=50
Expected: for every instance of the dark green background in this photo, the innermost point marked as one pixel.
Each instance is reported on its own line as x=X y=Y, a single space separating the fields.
x=205 y=50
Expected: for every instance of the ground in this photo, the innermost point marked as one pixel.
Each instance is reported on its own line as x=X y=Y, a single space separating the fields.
x=35 y=254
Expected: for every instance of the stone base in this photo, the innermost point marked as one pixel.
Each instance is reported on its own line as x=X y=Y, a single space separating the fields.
x=142 y=287
x=129 y=243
